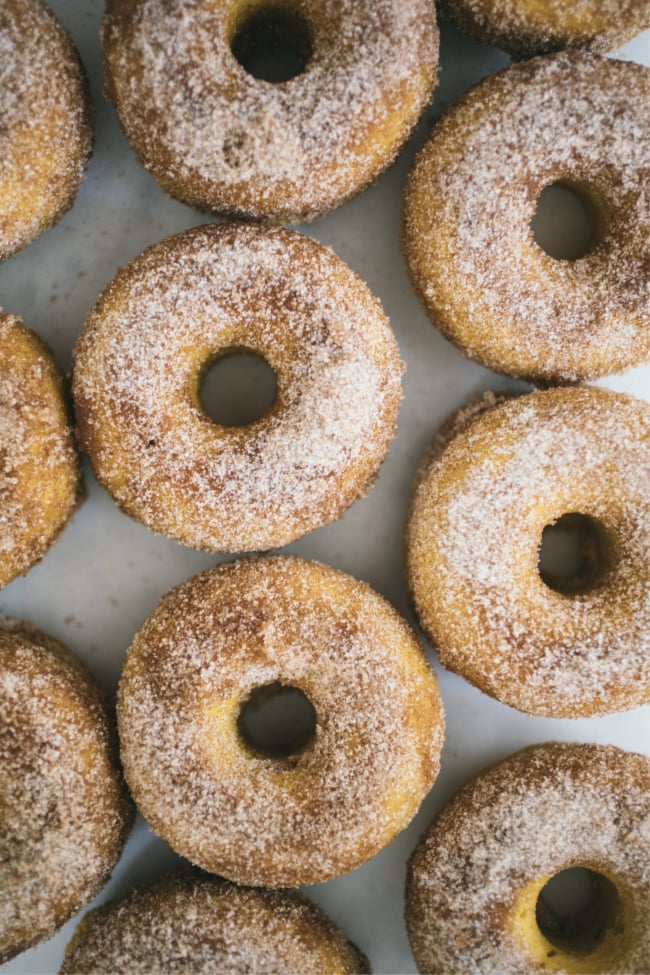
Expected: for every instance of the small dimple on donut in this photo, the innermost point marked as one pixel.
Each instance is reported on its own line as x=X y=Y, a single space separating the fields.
x=574 y=118
x=46 y=131
x=197 y=925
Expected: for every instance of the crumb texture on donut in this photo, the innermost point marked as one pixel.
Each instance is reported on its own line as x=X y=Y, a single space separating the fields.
x=343 y=797
x=39 y=469
x=222 y=140
x=46 y=133
x=64 y=811
x=541 y=811
x=167 y=316
x=571 y=118
x=477 y=516
x=199 y=926
x=528 y=27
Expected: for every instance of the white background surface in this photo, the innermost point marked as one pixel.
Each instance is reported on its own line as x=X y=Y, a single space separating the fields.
x=107 y=573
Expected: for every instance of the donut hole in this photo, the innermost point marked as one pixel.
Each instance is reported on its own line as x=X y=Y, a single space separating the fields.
x=277 y=721
x=577 y=910
x=272 y=43
x=237 y=388
x=568 y=221
x=574 y=555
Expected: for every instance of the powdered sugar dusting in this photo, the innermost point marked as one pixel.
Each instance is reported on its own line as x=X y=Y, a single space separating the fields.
x=376 y=749
x=170 y=312
x=184 y=924
x=536 y=813
x=474 y=535
x=472 y=195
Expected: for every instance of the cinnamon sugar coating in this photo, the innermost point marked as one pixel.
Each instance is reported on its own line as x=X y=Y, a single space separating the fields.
x=479 y=508
x=541 y=811
x=65 y=815
x=39 y=468
x=200 y=925
x=527 y=27
x=574 y=118
x=185 y=302
x=46 y=131
x=278 y=821
x=217 y=138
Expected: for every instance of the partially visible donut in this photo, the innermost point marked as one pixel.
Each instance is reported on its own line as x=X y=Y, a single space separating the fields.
x=220 y=139
x=65 y=815
x=477 y=873
x=39 y=468
x=193 y=298
x=200 y=926
x=527 y=27
x=46 y=132
x=335 y=801
x=572 y=648
x=570 y=118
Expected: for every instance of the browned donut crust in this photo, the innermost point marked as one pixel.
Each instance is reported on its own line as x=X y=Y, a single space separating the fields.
x=184 y=303
x=528 y=27
x=219 y=139
x=379 y=722
x=474 y=879
x=46 y=130
x=574 y=118
x=39 y=467
x=199 y=926
x=65 y=815
x=478 y=510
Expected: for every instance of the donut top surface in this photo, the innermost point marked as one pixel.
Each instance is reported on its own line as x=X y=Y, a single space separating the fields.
x=175 y=309
x=472 y=194
x=198 y=926
x=477 y=517
x=221 y=139
x=45 y=136
x=543 y=810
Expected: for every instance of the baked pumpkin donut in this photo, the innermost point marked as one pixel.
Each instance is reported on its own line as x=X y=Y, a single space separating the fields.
x=220 y=139
x=190 y=300
x=527 y=27
x=65 y=814
x=328 y=802
x=200 y=925
x=46 y=132
x=572 y=118
x=473 y=899
x=578 y=458
x=39 y=469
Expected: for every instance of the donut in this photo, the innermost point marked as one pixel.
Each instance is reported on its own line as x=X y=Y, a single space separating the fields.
x=328 y=804
x=201 y=925
x=39 y=468
x=474 y=881
x=46 y=132
x=65 y=815
x=571 y=118
x=578 y=458
x=526 y=27
x=167 y=317
x=218 y=138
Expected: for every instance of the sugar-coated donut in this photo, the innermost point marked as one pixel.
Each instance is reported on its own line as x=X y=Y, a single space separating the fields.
x=572 y=118
x=200 y=925
x=479 y=508
x=184 y=303
x=289 y=820
x=65 y=814
x=39 y=469
x=46 y=132
x=476 y=875
x=220 y=139
x=527 y=27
